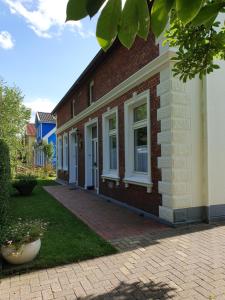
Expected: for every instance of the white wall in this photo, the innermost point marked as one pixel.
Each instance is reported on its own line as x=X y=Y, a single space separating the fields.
x=215 y=129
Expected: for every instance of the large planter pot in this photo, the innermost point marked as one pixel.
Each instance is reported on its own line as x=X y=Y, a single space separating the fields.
x=25 y=254
x=25 y=189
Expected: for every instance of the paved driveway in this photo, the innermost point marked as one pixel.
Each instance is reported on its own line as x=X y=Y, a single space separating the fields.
x=184 y=263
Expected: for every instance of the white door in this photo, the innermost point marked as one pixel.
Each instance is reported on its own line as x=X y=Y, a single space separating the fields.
x=95 y=163
x=73 y=169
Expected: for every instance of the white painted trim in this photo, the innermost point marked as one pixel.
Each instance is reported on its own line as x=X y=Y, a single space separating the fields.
x=71 y=132
x=38 y=116
x=60 y=166
x=65 y=151
x=107 y=172
x=152 y=68
x=112 y=177
x=91 y=122
x=144 y=179
x=49 y=134
x=138 y=181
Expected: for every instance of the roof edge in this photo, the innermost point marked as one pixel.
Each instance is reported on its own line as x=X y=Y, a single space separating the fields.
x=93 y=63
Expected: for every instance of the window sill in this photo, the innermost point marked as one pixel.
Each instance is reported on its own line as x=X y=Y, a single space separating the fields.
x=112 y=177
x=136 y=180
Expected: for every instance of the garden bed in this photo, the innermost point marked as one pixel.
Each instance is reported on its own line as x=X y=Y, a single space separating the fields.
x=67 y=239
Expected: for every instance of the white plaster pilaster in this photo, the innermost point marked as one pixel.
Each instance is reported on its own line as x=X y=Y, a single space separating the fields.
x=175 y=140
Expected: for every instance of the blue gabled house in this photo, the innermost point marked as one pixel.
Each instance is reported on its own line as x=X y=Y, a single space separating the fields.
x=45 y=124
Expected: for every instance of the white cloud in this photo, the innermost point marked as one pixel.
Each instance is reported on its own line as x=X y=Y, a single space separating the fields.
x=6 y=41
x=45 y=17
x=40 y=104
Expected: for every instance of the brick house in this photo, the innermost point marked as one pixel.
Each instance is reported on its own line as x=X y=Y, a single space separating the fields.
x=132 y=132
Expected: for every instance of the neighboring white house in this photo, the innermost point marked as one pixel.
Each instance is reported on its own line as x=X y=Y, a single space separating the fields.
x=192 y=143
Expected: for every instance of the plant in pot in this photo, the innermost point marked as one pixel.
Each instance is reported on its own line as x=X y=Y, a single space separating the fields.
x=24 y=184
x=21 y=241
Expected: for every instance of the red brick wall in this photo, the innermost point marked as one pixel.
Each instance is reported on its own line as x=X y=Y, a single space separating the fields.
x=134 y=195
x=117 y=66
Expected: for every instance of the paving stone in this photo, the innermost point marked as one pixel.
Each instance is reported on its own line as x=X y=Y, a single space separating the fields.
x=185 y=263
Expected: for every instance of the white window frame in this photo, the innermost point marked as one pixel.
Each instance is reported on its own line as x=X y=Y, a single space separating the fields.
x=91 y=85
x=107 y=173
x=132 y=176
x=59 y=153
x=65 y=152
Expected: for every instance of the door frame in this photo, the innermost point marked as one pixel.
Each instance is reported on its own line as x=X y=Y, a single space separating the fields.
x=73 y=132
x=88 y=153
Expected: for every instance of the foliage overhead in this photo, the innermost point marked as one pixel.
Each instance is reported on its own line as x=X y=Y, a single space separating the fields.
x=192 y=27
x=14 y=116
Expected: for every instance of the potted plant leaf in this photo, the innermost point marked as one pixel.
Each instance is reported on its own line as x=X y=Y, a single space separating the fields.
x=24 y=184
x=21 y=241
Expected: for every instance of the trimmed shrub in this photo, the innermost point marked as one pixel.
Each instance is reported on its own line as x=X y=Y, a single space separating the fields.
x=25 y=184
x=5 y=175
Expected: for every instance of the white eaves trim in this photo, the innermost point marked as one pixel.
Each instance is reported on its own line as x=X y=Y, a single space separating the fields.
x=143 y=74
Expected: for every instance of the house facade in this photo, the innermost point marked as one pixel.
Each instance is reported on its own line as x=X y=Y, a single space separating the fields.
x=45 y=133
x=134 y=133
x=29 y=140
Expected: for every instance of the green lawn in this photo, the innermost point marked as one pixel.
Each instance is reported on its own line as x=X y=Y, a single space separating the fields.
x=67 y=239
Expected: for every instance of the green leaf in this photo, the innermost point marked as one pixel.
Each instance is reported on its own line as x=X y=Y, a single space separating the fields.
x=107 y=26
x=129 y=24
x=94 y=6
x=76 y=10
x=144 y=19
x=160 y=15
x=187 y=10
x=206 y=14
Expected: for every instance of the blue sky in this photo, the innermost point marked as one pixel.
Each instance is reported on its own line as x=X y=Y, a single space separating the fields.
x=41 y=54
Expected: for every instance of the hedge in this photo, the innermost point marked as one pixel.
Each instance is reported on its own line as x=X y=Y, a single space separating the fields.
x=5 y=175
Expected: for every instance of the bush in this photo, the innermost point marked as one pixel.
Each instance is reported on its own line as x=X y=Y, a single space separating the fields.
x=25 y=184
x=5 y=175
x=49 y=171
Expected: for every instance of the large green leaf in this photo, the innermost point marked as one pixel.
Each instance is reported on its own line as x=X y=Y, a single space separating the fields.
x=129 y=24
x=160 y=15
x=187 y=10
x=107 y=26
x=206 y=14
x=76 y=10
x=143 y=18
x=93 y=6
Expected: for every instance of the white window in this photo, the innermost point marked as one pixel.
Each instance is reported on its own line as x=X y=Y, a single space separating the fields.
x=110 y=145
x=137 y=141
x=91 y=92
x=59 y=153
x=65 y=152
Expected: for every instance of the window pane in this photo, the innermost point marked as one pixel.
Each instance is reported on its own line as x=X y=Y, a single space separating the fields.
x=94 y=132
x=140 y=113
x=113 y=152
x=112 y=123
x=140 y=150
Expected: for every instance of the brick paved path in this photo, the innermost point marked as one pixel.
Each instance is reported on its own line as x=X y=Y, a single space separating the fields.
x=107 y=219
x=184 y=263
